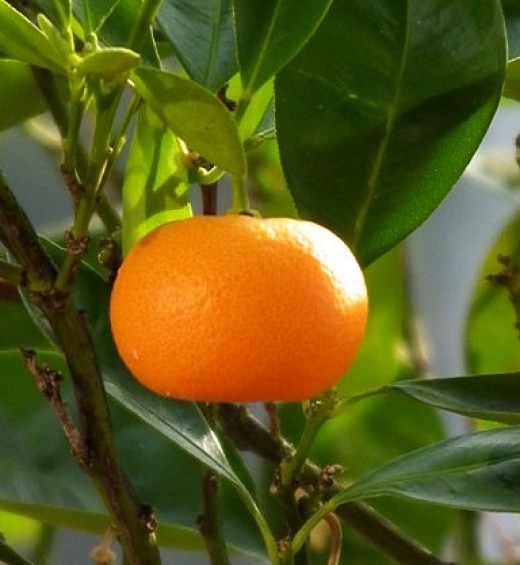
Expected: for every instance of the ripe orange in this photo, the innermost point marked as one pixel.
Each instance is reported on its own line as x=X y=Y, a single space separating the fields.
x=239 y=309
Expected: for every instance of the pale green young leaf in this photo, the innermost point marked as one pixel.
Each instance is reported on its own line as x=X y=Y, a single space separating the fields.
x=155 y=188
x=195 y=115
x=22 y=40
x=109 y=63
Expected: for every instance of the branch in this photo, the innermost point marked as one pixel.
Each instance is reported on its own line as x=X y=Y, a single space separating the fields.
x=248 y=434
x=134 y=522
x=210 y=523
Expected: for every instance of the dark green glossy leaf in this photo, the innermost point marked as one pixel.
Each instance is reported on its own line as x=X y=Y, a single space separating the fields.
x=477 y=471
x=22 y=40
x=20 y=97
x=155 y=189
x=264 y=44
x=201 y=33
x=93 y=13
x=195 y=115
x=381 y=111
x=491 y=336
x=116 y=29
x=488 y=397
x=17 y=328
x=40 y=479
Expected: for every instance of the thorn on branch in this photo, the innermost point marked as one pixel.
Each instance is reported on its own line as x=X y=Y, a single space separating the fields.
x=48 y=382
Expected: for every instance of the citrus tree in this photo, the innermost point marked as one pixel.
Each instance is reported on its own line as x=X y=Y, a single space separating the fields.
x=358 y=116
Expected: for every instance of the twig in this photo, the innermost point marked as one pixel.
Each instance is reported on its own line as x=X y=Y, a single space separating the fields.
x=48 y=382
x=246 y=433
x=210 y=522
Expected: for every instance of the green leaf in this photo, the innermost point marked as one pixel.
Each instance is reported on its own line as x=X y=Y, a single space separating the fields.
x=18 y=328
x=264 y=44
x=22 y=40
x=201 y=33
x=58 y=11
x=512 y=82
x=476 y=471
x=195 y=115
x=109 y=63
x=156 y=185
x=512 y=16
x=260 y=106
x=488 y=397
x=381 y=111
x=380 y=357
x=115 y=29
x=93 y=13
x=40 y=479
x=20 y=97
x=491 y=334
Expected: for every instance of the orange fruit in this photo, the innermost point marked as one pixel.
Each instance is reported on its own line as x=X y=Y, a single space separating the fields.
x=238 y=309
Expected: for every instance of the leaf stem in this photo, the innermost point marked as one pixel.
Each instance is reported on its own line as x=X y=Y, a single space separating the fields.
x=246 y=433
x=239 y=196
x=143 y=22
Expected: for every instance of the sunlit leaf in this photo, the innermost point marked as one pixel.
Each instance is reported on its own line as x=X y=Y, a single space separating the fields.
x=21 y=39
x=155 y=189
x=193 y=114
x=108 y=63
